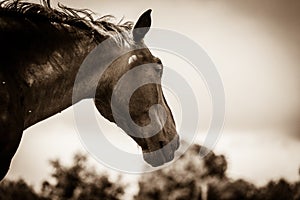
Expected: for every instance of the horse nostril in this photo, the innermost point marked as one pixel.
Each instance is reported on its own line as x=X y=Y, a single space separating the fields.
x=161 y=144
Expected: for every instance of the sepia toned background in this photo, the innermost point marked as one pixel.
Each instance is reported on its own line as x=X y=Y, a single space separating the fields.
x=255 y=46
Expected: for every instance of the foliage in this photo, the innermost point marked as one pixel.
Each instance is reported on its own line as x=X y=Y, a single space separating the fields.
x=76 y=182
x=190 y=177
x=14 y=190
x=185 y=179
x=280 y=190
x=79 y=182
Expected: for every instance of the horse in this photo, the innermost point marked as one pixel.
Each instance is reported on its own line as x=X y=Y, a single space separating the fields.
x=42 y=49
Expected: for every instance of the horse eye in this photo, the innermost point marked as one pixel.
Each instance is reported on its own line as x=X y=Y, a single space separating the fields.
x=132 y=59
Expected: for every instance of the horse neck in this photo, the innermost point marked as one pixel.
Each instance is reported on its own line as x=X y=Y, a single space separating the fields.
x=49 y=78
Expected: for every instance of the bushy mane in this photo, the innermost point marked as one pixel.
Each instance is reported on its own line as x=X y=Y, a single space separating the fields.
x=81 y=18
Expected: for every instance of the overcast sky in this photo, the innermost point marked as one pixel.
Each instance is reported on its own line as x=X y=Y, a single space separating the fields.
x=255 y=46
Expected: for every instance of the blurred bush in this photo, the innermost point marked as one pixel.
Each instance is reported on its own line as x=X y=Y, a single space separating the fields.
x=193 y=178
x=75 y=182
x=15 y=190
x=79 y=182
x=189 y=178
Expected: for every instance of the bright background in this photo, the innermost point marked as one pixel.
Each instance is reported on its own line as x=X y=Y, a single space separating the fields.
x=255 y=46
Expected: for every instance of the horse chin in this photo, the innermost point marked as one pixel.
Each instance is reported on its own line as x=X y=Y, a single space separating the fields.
x=157 y=158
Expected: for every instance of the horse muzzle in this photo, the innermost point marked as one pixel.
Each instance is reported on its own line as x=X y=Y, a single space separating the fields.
x=162 y=155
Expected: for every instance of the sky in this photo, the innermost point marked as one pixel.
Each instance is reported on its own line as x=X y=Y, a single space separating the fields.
x=255 y=46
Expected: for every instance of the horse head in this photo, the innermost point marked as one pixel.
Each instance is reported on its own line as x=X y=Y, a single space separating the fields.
x=132 y=97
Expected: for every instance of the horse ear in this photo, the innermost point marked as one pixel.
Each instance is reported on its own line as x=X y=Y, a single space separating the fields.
x=142 y=26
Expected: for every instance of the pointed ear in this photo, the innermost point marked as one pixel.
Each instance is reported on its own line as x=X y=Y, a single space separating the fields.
x=142 y=26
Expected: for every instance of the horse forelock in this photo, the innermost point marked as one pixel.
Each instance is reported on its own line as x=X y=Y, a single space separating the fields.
x=81 y=18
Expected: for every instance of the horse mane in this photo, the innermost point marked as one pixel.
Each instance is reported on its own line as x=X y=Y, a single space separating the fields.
x=80 y=18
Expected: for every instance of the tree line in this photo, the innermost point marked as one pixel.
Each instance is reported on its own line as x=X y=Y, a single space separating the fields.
x=189 y=178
